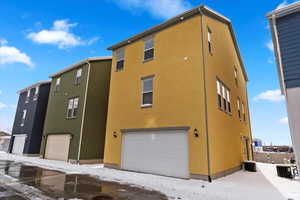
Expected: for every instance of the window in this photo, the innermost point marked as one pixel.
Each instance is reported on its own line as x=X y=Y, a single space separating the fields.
x=28 y=96
x=236 y=77
x=36 y=93
x=78 y=76
x=147 y=93
x=149 y=49
x=72 y=108
x=223 y=93
x=57 y=84
x=120 y=59
x=228 y=101
x=23 y=117
x=243 y=112
x=219 y=92
x=209 y=39
x=239 y=108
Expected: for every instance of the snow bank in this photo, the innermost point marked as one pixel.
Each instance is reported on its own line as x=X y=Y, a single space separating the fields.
x=241 y=185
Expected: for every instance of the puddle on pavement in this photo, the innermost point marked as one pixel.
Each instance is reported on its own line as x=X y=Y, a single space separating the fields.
x=59 y=185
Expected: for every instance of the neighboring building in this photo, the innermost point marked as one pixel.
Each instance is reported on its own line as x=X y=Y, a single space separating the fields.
x=285 y=27
x=4 y=141
x=76 y=117
x=178 y=100
x=28 y=126
x=282 y=148
x=257 y=145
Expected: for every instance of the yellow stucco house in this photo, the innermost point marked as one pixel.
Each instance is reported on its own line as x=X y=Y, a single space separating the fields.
x=178 y=102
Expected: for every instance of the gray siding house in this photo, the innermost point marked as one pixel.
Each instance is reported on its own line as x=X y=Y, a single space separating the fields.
x=285 y=27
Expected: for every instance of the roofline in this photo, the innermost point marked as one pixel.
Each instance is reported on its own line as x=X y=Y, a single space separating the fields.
x=33 y=86
x=277 y=52
x=294 y=7
x=73 y=66
x=198 y=10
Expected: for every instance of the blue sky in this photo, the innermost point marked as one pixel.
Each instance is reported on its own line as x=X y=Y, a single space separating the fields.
x=38 y=38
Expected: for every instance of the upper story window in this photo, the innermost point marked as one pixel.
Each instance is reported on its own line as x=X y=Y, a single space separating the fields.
x=147 y=93
x=223 y=93
x=120 y=59
x=36 y=93
x=239 y=108
x=23 y=117
x=27 y=97
x=209 y=39
x=78 y=76
x=57 y=84
x=243 y=112
x=236 y=77
x=149 y=49
x=72 y=107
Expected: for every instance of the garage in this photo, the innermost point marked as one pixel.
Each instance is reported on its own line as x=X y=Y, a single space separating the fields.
x=162 y=152
x=19 y=143
x=57 y=147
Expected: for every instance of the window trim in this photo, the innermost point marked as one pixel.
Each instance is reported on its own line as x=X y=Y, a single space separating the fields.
x=36 y=93
x=57 y=84
x=72 y=109
x=239 y=108
x=28 y=96
x=151 y=77
x=78 y=78
x=23 y=117
x=209 y=40
x=119 y=60
x=225 y=101
x=152 y=48
x=236 y=77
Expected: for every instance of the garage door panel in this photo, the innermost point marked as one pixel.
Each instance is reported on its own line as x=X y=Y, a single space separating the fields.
x=157 y=152
x=19 y=143
x=57 y=147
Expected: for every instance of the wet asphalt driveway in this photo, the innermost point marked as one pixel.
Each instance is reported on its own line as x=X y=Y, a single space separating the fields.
x=19 y=181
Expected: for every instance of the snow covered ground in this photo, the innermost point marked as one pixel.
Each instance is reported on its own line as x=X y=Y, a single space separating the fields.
x=241 y=185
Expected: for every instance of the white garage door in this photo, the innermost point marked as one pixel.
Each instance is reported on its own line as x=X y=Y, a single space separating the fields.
x=57 y=147
x=156 y=152
x=19 y=142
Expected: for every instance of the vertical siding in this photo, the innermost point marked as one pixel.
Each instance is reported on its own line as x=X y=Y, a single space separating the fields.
x=288 y=28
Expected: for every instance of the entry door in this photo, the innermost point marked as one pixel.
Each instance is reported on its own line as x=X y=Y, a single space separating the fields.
x=156 y=152
x=57 y=147
x=19 y=143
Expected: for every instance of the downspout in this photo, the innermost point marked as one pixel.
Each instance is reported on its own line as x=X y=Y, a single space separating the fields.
x=83 y=113
x=205 y=99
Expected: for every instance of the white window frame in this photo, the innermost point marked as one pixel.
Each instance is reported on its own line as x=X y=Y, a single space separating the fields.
x=23 y=117
x=150 y=48
x=57 y=84
x=209 y=40
x=146 y=92
x=78 y=76
x=28 y=96
x=72 y=106
x=37 y=88
x=118 y=59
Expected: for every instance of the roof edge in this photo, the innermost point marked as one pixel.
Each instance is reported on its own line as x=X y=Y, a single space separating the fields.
x=33 y=86
x=291 y=8
x=73 y=66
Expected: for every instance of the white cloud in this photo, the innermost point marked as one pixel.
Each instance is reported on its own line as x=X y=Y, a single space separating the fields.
x=271 y=60
x=282 y=4
x=2 y=105
x=270 y=45
x=158 y=8
x=284 y=120
x=10 y=55
x=270 y=95
x=60 y=35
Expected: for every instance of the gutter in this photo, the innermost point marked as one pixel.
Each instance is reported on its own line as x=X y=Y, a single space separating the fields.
x=277 y=53
x=205 y=99
x=84 y=107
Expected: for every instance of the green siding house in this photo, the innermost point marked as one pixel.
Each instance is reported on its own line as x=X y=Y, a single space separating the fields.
x=76 y=115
